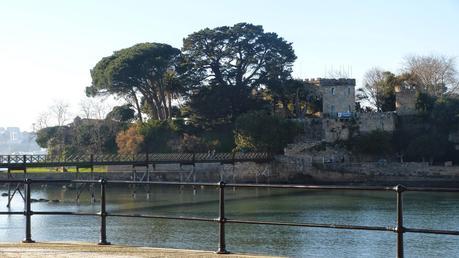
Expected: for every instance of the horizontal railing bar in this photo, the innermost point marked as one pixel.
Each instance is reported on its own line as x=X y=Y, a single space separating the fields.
x=315 y=187
x=51 y=181
x=285 y=186
x=432 y=231
x=432 y=189
x=11 y=213
x=12 y=181
x=160 y=183
x=64 y=213
x=63 y=181
x=311 y=225
x=161 y=217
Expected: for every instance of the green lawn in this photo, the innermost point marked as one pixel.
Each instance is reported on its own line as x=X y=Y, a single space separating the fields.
x=59 y=170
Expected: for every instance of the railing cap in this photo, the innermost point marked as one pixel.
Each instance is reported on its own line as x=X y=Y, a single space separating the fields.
x=400 y=188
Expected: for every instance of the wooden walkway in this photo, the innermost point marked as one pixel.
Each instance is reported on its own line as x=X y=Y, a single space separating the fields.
x=77 y=250
x=24 y=161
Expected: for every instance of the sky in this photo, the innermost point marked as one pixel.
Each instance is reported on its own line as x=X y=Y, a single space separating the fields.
x=48 y=47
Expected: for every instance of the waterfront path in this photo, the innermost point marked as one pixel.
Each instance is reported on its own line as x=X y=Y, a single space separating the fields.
x=78 y=249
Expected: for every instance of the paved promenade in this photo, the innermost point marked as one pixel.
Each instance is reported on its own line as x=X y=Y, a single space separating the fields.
x=77 y=249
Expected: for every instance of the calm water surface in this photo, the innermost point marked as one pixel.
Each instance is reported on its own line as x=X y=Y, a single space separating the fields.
x=422 y=210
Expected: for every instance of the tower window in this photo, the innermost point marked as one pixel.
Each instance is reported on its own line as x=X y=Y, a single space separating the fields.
x=333 y=91
x=349 y=91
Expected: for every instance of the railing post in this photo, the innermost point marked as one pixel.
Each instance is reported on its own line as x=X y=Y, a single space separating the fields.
x=28 y=213
x=222 y=220
x=103 y=214
x=399 y=229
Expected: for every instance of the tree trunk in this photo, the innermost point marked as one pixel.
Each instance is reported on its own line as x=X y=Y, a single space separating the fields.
x=285 y=107
x=137 y=106
x=169 y=97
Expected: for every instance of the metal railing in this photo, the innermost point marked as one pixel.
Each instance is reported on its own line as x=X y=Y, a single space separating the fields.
x=399 y=227
x=24 y=161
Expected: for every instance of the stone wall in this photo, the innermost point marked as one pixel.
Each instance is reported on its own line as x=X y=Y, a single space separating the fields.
x=384 y=121
x=405 y=100
x=395 y=172
x=313 y=128
x=336 y=129
x=338 y=95
x=285 y=169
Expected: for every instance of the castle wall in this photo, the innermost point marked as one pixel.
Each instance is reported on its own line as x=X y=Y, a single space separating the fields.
x=405 y=100
x=338 y=95
x=405 y=103
x=335 y=129
x=342 y=129
x=384 y=121
x=313 y=128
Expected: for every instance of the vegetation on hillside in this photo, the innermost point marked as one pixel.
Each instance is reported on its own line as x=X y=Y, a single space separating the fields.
x=189 y=100
x=231 y=88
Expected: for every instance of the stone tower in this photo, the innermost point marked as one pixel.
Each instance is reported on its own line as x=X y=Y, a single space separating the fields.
x=338 y=95
x=405 y=99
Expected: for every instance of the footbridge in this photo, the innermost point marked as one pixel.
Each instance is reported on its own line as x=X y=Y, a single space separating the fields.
x=144 y=161
x=22 y=162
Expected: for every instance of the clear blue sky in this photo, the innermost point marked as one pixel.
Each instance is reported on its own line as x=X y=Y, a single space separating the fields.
x=47 y=47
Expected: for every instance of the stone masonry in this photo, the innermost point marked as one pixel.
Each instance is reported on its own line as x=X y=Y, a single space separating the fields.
x=338 y=95
x=384 y=121
x=405 y=100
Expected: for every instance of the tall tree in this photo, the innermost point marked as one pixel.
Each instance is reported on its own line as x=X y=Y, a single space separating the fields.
x=92 y=108
x=147 y=70
x=123 y=113
x=60 y=111
x=238 y=58
x=434 y=75
x=378 y=89
x=296 y=97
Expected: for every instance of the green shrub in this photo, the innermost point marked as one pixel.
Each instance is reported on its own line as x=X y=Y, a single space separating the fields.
x=374 y=143
x=159 y=136
x=260 y=131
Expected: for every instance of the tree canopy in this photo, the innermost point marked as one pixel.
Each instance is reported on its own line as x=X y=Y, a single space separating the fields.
x=296 y=97
x=123 y=113
x=238 y=58
x=379 y=89
x=260 y=131
x=434 y=75
x=241 y=55
x=147 y=70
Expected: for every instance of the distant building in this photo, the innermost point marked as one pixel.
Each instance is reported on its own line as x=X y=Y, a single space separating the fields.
x=338 y=96
x=14 y=135
x=13 y=141
x=405 y=99
x=339 y=119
